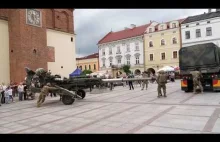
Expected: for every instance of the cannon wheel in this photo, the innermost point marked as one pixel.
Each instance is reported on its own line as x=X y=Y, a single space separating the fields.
x=81 y=93
x=67 y=100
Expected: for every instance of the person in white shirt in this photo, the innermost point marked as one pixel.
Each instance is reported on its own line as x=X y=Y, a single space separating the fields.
x=6 y=95
x=20 y=91
x=9 y=91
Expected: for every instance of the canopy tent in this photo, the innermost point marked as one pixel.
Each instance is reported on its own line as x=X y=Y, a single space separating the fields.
x=77 y=72
x=166 y=69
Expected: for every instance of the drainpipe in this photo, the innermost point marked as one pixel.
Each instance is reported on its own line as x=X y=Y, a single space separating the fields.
x=144 y=52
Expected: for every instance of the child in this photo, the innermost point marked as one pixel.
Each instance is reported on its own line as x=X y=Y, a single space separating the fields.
x=6 y=96
x=10 y=93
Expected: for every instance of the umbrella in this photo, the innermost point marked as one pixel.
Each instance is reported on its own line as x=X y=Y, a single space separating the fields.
x=166 y=69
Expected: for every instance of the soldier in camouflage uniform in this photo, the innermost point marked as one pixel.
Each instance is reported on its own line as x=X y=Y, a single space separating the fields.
x=197 y=80
x=145 y=82
x=44 y=91
x=161 y=80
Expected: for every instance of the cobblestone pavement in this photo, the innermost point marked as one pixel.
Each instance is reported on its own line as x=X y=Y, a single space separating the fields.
x=118 y=111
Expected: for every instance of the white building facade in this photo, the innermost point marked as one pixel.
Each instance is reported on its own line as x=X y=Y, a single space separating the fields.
x=122 y=52
x=201 y=29
x=124 y=47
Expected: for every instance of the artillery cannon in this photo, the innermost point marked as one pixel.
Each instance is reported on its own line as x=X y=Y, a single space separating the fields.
x=68 y=89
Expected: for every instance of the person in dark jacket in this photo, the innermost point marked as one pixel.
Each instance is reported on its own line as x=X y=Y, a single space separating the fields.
x=130 y=83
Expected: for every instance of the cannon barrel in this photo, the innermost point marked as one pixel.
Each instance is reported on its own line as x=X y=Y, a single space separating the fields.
x=125 y=79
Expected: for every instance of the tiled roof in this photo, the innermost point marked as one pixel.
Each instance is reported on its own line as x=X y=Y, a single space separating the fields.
x=202 y=17
x=94 y=55
x=127 y=33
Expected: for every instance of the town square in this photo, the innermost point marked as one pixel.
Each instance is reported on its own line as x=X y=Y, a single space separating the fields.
x=63 y=72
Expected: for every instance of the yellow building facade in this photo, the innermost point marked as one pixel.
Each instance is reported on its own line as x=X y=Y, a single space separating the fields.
x=90 y=62
x=162 y=43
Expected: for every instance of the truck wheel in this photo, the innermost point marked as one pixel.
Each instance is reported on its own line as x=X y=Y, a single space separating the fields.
x=67 y=100
x=81 y=93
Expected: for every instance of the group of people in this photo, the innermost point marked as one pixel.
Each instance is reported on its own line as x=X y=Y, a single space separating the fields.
x=8 y=92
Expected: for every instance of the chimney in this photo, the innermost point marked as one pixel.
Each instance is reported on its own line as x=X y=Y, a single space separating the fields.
x=209 y=10
x=126 y=28
x=133 y=26
x=217 y=10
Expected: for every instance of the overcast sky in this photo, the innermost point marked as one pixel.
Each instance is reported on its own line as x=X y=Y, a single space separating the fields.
x=93 y=24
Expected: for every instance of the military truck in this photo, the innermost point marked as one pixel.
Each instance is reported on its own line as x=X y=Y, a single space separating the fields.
x=206 y=57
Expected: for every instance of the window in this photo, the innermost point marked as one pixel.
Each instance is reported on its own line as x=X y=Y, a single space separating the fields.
x=71 y=39
x=208 y=21
x=137 y=60
x=174 y=31
x=174 y=25
x=110 y=62
x=103 y=63
x=137 y=46
x=128 y=48
x=103 y=52
x=187 y=34
x=150 y=44
x=208 y=31
x=89 y=67
x=118 y=50
x=162 y=33
x=150 y=30
x=85 y=67
x=162 y=42
x=128 y=60
x=80 y=67
x=162 y=56
x=77 y=67
x=119 y=61
x=174 y=41
x=187 y=26
x=151 y=57
x=110 y=51
x=94 y=66
x=174 y=54
x=197 y=23
x=198 y=33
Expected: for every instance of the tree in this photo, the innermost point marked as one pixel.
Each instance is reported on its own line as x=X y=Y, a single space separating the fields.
x=126 y=69
x=86 y=72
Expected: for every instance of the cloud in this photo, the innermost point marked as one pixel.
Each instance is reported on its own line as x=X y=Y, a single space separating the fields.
x=93 y=24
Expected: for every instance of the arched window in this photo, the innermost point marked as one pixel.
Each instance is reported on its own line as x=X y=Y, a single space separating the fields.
x=150 y=44
x=174 y=41
x=89 y=67
x=162 y=42
x=94 y=66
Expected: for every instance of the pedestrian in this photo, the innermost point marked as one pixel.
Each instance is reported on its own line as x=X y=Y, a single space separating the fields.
x=20 y=91
x=130 y=83
x=44 y=91
x=145 y=82
x=161 y=81
x=172 y=77
x=6 y=95
x=197 y=76
x=25 y=91
x=1 y=91
x=10 y=94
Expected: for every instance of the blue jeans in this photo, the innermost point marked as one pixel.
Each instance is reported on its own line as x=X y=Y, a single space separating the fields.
x=20 y=95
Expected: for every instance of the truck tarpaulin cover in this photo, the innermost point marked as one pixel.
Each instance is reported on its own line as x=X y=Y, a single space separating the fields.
x=198 y=55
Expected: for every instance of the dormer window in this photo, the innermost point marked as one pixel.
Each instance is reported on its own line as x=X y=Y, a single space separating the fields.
x=197 y=23
x=150 y=30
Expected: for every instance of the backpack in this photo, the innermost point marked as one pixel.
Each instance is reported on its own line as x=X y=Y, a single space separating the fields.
x=162 y=78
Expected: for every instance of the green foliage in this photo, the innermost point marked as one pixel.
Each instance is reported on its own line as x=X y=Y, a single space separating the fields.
x=126 y=69
x=86 y=72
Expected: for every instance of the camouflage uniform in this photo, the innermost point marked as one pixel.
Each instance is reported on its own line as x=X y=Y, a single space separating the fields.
x=196 y=81
x=161 y=80
x=145 y=82
x=44 y=91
